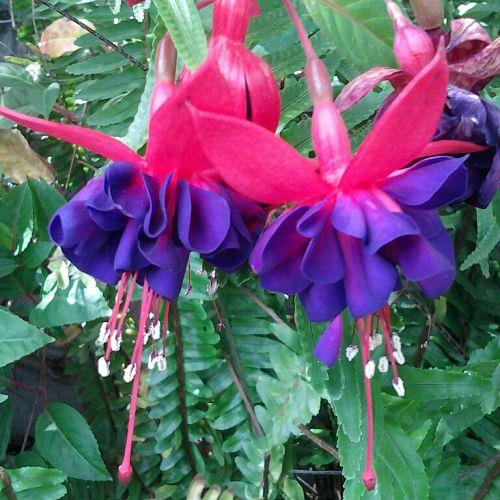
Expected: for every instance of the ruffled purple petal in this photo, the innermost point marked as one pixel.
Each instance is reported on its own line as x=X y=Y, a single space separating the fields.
x=430 y=183
x=323 y=302
x=125 y=185
x=156 y=219
x=369 y=278
x=128 y=257
x=347 y=216
x=328 y=346
x=312 y=222
x=203 y=218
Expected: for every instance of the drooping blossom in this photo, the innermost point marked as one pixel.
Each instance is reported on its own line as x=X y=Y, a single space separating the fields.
x=354 y=220
x=472 y=61
x=139 y=221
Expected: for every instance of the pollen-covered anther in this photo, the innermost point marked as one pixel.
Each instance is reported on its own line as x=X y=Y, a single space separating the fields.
x=351 y=351
x=152 y=361
x=103 y=334
x=370 y=369
x=374 y=341
x=129 y=372
x=103 y=367
x=383 y=364
x=116 y=341
x=156 y=331
x=147 y=334
x=396 y=341
x=212 y=287
x=399 y=387
x=399 y=357
x=161 y=363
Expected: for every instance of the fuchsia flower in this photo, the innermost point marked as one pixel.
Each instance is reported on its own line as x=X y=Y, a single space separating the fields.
x=139 y=221
x=355 y=220
x=472 y=61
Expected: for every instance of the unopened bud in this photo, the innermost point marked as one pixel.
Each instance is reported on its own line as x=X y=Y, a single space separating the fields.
x=413 y=47
x=398 y=386
x=103 y=367
x=383 y=364
x=370 y=369
x=351 y=351
x=429 y=13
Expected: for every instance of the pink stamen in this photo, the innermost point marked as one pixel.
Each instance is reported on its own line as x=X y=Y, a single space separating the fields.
x=164 y=327
x=125 y=468
x=118 y=300
x=119 y=328
x=369 y=477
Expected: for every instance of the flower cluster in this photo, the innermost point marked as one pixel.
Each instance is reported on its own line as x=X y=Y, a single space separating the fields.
x=354 y=226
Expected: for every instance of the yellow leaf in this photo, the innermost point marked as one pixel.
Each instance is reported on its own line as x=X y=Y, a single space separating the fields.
x=59 y=37
x=18 y=161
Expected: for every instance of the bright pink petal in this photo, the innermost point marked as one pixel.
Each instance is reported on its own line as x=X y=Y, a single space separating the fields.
x=255 y=162
x=262 y=90
x=358 y=88
x=450 y=147
x=94 y=141
x=404 y=129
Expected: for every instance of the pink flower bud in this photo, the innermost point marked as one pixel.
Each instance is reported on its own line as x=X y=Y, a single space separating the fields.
x=369 y=479
x=429 y=13
x=412 y=46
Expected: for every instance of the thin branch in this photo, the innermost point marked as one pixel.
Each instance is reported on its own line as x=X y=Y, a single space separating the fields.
x=93 y=32
x=9 y=492
x=477 y=468
x=263 y=306
x=424 y=337
x=488 y=481
x=265 y=476
x=181 y=377
x=319 y=442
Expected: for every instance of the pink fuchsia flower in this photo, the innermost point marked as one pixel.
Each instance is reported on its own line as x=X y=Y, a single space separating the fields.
x=139 y=221
x=466 y=117
x=354 y=220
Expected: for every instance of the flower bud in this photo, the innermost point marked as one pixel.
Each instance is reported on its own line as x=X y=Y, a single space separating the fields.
x=369 y=479
x=429 y=13
x=413 y=47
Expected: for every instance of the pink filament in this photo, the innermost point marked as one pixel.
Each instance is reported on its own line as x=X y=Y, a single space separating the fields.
x=125 y=468
x=386 y=331
x=369 y=477
x=164 y=327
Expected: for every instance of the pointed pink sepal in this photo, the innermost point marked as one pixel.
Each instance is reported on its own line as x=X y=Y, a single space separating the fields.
x=450 y=147
x=255 y=162
x=405 y=128
x=94 y=141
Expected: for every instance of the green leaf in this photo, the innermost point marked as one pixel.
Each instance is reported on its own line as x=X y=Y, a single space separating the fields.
x=65 y=440
x=29 y=483
x=431 y=384
x=46 y=200
x=8 y=264
x=6 y=419
x=18 y=338
x=361 y=30
x=50 y=95
x=16 y=219
x=36 y=253
x=80 y=301
x=183 y=22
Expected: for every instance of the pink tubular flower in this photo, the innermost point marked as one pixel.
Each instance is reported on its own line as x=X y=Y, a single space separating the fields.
x=138 y=222
x=355 y=219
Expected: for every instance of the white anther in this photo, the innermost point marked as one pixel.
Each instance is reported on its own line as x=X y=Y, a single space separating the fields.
x=103 y=367
x=351 y=351
x=147 y=334
x=156 y=332
x=116 y=341
x=370 y=369
x=399 y=387
x=383 y=364
x=161 y=363
x=152 y=361
x=103 y=334
x=396 y=341
x=129 y=372
x=399 y=357
x=151 y=316
x=374 y=341
x=212 y=287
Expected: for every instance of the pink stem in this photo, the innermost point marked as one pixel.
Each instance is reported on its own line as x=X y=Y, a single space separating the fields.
x=369 y=477
x=125 y=468
x=299 y=27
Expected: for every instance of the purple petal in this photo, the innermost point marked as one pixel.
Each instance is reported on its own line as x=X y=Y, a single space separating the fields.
x=161 y=251
x=312 y=222
x=369 y=278
x=328 y=346
x=323 y=302
x=167 y=283
x=323 y=261
x=125 y=185
x=383 y=224
x=128 y=256
x=203 y=218
x=430 y=183
x=347 y=216
x=156 y=219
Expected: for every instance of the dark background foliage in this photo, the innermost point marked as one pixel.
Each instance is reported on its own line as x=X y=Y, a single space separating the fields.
x=256 y=415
